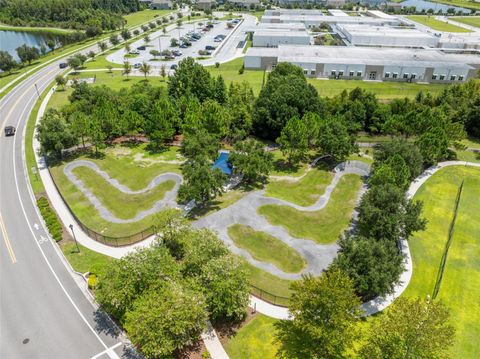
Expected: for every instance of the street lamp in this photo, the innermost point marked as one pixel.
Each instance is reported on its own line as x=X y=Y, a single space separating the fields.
x=74 y=238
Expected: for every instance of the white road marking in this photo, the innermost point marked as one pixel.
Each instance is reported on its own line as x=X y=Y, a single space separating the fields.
x=109 y=352
x=36 y=226
x=36 y=240
x=42 y=239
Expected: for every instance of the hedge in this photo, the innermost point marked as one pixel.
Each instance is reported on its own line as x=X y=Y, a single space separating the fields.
x=53 y=224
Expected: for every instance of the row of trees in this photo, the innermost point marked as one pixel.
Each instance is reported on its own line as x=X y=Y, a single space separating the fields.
x=88 y=15
x=165 y=294
x=326 y=324
x=370 y=255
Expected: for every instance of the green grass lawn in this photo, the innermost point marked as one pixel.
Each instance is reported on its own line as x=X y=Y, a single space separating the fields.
x=469 y=4
x=59 y=97
x=383 y=90
x=431 y=22
x=468 y=20
x=322 y=226
x=121 y=205
x=115 y=80
x=86 y=260
x=266 y=248
x=253 y=341
x=37 y=29
x=282 y=168
x=220 y=202
x=303 y=192
x=470 y=156
x=140 y=17
x=460 y=287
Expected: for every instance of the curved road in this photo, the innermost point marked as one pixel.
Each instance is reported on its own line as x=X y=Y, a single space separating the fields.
x=43 y=312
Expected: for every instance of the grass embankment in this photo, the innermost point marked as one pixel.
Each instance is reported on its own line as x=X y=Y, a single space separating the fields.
x=132 y=168
x=86 y=260
x=304 y=191
x=435 y=24
x=323 y=226
x=266 y=248
x=383 y=90
x=254 y=340
x=460 y=286
x=468 y=20
x=37 y=29
x=141 y=17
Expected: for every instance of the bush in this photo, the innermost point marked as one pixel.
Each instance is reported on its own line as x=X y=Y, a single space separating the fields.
x=92 y=281
x=50 y=217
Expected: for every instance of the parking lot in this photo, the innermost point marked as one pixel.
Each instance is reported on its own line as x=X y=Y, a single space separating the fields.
x=161 y=42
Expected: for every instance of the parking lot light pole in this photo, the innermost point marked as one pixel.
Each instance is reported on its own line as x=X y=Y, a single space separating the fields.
x=74 y=238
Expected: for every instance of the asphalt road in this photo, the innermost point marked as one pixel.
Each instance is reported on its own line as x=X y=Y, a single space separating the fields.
x=43 y=312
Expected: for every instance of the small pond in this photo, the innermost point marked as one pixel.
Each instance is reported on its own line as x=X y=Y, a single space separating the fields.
x=426 y=5
x=10 y=40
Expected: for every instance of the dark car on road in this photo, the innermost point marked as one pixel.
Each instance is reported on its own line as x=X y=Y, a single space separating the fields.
x=9 y=130
x=62 y=65
x=210 y=47
x=174 y=66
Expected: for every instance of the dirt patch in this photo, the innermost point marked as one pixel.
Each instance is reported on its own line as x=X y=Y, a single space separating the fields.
x=119 y=151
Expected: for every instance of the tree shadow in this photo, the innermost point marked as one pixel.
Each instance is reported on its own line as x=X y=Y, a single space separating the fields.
x=105 y=324
x=281 y=165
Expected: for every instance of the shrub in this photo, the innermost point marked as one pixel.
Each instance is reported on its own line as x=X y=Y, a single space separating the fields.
x=50 y=217
x=92 y=281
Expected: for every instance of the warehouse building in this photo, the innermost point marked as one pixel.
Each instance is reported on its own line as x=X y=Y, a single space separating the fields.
x=272 y=35
x=365 y=35
x=336 y=12
x=386 y=64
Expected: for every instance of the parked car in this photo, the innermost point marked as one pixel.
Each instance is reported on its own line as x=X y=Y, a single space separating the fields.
x=174 y=67
x=137 y=65
x=210 y=26
x=210 y=47
x=177 y=53
x=9 y=130
x=217 y=39
x=134 y=52
x=142 y=48
x=62 y=65
x=183 y=46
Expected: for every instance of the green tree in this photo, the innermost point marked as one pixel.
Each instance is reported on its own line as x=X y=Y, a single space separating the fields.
x=96 y=133
x=61 y=81
x=410 y=328
x=325 y=312
x=7 y=63
x=127 y=68
x=125 y=34
x=145 y=69
x=285 y=95
x=163 y=72
x=91 y=54
x=27 y=53
x=127 y=48
x=407 y=150
x=334 y=140
x=219 y=90
x=201 y=182
x=393 y=170
x=191 y=79
x=51 y=45
x=128 y=278
x=240 y=101
x=80 y=123
x=114 y=40
x=74 y=63
x=251 y=160
x=374 y=266
x=102 y=46
x=160 y=124
x=146 y=39
x=54 y=134
x=166 y=320
x=293 y=140
x=154 y=53
x=200 y=145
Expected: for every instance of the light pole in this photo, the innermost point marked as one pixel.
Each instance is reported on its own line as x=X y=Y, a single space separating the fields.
x=74 y=238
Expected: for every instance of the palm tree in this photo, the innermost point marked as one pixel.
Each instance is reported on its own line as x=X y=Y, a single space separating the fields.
x=102 y=46
x=145 y=69
x=146 y=39
x=127 y=49
x=127 y=68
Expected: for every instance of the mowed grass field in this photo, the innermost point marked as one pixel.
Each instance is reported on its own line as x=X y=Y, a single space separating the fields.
x=468 y=20
x=383 y=90
x=266 y=248
x=460 y=287
x=435 y=24
x=254 y=340
x=325 y=225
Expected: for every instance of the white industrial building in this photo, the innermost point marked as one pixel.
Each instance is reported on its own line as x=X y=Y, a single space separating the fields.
x=337 y=12
x=272 y=35
x=376 y=63
x=314 y=18
x=365 y=35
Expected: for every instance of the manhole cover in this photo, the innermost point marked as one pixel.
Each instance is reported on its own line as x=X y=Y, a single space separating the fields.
x=25 y=341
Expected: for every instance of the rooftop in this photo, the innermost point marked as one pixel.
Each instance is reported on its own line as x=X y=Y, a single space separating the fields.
x=369 y=30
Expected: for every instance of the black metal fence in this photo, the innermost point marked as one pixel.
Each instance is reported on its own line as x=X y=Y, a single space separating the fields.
x=269 y=297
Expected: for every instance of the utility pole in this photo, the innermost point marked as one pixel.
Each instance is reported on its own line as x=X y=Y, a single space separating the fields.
x=74 y=238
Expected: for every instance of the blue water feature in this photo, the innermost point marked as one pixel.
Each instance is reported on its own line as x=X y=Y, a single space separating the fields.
x=426 y=5
x=222 y=164
x=10 y=40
